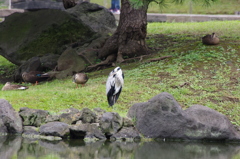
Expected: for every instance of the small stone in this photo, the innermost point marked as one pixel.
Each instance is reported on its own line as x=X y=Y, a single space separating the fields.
x=111 y=123
x=33 y=117
x=59 y=129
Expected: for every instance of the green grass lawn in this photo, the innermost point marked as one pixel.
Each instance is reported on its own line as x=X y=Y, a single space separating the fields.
x=220 y=7
x=6 y=68
x=195 y=74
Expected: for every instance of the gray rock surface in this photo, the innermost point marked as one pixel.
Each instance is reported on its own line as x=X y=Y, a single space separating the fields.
x=126 y=133
x=59 y=129
x=48 y=34
x=87 y=130
x=210 y=124
x=69 y=63
x=99 y=112
x=30 y=65
x=70 y=116
x=51 y=118
x=74 y=60
x=127 y=122
x=97 y=17
x=87 y=116
x=43 y=32
x=110 y=123
x=46 y=62
x=10 y=121
x=162 y=117
x=33 y=117
x=30 y=130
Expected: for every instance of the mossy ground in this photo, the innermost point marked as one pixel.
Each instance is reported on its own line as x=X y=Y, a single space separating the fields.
x=195 y=74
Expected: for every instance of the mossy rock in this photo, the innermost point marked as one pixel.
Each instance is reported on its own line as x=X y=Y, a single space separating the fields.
x=29 y=34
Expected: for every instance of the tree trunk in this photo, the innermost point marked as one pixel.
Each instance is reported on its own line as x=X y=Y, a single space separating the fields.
x=129 y=38
x=68 y=3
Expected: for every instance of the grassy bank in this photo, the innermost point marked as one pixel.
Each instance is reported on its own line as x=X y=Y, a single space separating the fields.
x=220 y=7
x=195 y=74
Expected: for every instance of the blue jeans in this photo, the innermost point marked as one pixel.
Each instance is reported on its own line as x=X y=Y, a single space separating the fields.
x=115 y=5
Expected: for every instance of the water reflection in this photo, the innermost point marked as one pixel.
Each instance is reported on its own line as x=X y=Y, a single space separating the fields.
x=22 y=148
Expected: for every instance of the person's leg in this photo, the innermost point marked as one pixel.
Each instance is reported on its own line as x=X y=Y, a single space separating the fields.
x=113 y=4
x=117 y=4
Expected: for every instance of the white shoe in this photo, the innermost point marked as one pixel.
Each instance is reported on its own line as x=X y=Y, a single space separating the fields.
x=117 y=11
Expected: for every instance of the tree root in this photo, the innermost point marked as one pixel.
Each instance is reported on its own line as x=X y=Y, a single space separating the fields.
x=84 y=57
x=160 y=58
x=109 y=61
x=134 y=58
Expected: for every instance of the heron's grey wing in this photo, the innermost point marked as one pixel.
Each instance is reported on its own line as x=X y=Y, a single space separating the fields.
x=110 y=82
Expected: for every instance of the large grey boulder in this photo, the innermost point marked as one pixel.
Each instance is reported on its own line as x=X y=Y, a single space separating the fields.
x=33 y=117
x=51 y=31
x=10 y=121
x=97 y=17
x=39 y=33
x=162 y=117
x=210 y=124
x=3 y=128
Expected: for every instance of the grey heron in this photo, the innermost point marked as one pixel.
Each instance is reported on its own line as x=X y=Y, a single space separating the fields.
x=114 y=85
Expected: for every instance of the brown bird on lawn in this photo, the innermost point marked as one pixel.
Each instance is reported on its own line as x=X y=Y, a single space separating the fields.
x=34 y=77
x=9 y=86
x=80 y=78
x=210 y=39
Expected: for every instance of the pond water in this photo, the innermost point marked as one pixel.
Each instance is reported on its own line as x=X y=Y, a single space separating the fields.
x=12 y=147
